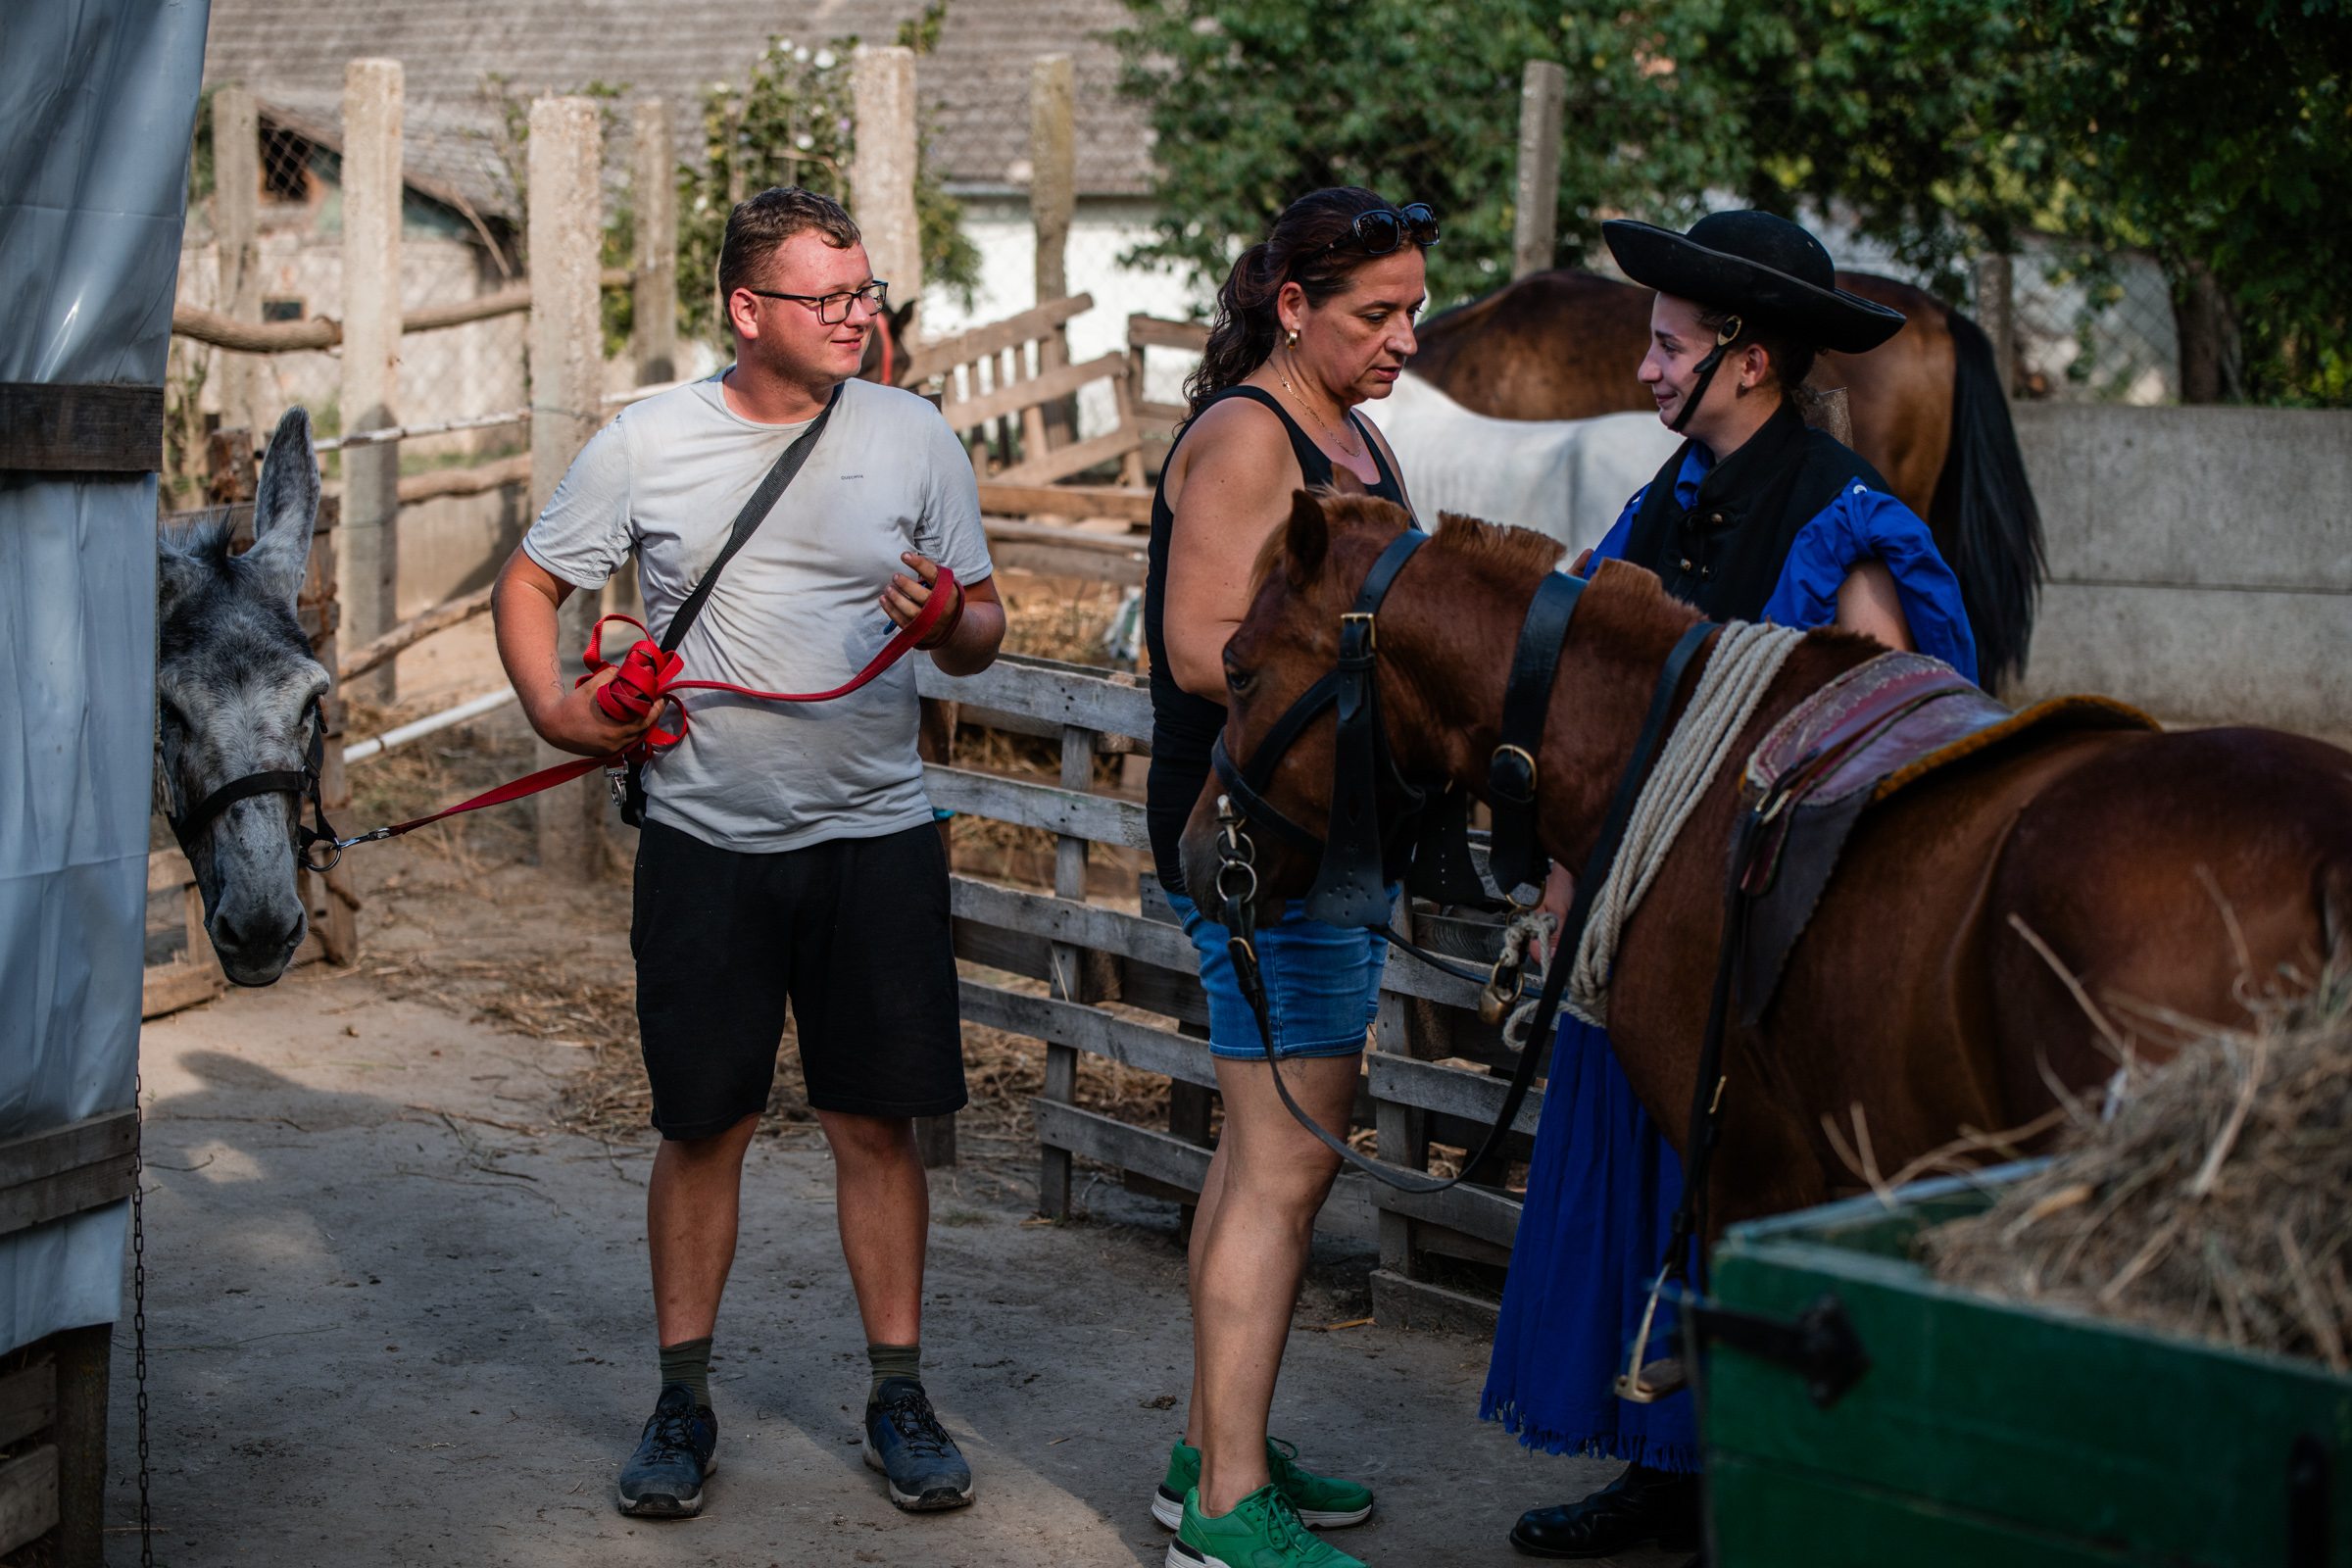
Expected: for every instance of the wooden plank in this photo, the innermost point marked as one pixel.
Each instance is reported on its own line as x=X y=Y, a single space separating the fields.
x=1166 y=1158
x=1159 y=333
x=1049 y=690
x=1164 y=945
x=67 y=1148
x=415 y=629
x=978 y=715
x=1166 y=416
x=1088 y=925
x=28 y=1497
x=27 y=1403
x=84 y=1358
x=166 y=988
x=254 y=337
x=1097 y=818
x=49 y=428
x=71 y=1192
x=1058 y=561
x=474 y=481
x=1453 y=1090
x=1078 y=456
x=1017 y=395
x=1017 y=531
x=1124 y=502
x=1090 y=1029
x=1475 y=1211
x=981 y=342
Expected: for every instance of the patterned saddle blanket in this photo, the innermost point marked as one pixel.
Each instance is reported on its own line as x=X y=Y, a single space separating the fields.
x=1882 y=727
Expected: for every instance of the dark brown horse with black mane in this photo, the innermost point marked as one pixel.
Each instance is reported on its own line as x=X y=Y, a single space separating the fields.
x=1994 y=937
x=1926 y=407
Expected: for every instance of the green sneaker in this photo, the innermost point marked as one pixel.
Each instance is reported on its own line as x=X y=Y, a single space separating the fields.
x=1323 y=1502
x=1261 y=1531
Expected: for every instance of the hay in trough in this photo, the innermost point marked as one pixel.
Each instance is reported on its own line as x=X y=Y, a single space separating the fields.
x=2215 y=1203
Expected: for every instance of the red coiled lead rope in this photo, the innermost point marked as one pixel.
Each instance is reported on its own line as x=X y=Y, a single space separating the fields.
x=645 y=676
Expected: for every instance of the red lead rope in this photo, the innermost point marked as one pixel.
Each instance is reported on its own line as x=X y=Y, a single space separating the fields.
x=645 y=676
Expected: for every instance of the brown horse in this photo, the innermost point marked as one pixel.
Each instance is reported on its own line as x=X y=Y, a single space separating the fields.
x=1994 y=936
x=1926 y=407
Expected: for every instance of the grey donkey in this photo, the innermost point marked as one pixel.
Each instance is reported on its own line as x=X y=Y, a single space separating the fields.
x=237 y=696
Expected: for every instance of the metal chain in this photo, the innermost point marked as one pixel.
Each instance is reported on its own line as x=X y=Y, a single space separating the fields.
x=138 y=1304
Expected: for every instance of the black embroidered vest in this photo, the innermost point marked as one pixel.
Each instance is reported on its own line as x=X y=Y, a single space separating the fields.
x=1724 y=555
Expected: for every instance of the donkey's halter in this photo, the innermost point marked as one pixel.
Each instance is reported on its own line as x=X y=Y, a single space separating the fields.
x=302 y=783
x=1351 y=884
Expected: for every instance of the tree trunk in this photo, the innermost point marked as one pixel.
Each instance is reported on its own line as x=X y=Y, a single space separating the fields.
x=2208 y=331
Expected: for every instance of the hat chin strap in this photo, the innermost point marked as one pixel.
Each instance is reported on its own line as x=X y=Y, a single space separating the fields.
x=1706 y=372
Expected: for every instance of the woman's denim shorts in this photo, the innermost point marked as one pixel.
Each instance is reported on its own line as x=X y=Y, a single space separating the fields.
x=1322 y=985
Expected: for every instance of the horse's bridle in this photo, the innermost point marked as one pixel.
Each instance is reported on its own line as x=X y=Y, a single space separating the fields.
x=1351 y=878
x=302 y=783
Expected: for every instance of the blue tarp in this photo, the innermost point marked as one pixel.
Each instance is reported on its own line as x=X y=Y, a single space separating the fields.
x=97 y=107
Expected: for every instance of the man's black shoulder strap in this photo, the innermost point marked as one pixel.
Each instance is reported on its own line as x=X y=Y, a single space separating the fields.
x=747 y=521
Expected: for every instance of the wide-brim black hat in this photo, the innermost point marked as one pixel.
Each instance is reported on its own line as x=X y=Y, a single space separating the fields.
x=1757 y=265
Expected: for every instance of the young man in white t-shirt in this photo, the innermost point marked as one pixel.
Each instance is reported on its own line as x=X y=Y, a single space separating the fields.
x=788 y=854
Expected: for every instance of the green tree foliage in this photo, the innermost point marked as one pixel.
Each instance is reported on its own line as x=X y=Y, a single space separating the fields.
x=1254 y=102
x=2214 y=134
x=793 y=123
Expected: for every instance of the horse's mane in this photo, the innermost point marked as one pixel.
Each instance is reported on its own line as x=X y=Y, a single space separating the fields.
x=1478 y=542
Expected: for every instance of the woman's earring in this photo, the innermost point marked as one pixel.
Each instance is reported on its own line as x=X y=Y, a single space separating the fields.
x=1294 y=337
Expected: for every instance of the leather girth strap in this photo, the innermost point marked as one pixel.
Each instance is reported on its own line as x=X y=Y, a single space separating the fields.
x=1511 y=772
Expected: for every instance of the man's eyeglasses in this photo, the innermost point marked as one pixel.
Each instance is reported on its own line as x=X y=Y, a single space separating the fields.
x=833 y=309
x=1386 y=228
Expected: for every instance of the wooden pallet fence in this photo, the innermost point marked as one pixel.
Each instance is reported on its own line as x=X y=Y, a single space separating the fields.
x=1001 y=384
x=1121 y=986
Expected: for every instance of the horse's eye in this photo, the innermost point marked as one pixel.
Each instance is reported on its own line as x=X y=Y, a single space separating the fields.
x=1238 y=681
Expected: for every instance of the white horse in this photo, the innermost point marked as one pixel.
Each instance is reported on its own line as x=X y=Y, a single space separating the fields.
x=1568 y=478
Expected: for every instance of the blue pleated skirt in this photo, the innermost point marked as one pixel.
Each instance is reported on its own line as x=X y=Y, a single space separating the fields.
x=1600 y=1197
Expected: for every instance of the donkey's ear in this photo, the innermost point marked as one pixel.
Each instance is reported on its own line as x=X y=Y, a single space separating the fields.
x=286 y=509
x=1344 y=481
x=1304 y=539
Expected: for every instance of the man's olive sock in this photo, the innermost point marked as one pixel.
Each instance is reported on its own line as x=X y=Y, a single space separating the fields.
x=893 y=1361
x=689 y=1362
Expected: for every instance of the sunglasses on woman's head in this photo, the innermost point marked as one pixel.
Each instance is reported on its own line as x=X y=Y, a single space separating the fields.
x=1386 y=228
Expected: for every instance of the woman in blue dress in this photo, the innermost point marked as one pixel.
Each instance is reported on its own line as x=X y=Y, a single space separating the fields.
x=1758 y=517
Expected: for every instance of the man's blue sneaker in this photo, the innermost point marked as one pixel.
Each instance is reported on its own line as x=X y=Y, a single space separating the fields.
x=905 y=1440
x=664 y=1479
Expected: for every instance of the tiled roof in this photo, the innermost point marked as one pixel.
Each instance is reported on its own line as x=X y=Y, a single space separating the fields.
x=975 y=85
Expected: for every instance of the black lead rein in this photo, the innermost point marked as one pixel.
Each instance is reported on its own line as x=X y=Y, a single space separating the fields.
x=1351 y=856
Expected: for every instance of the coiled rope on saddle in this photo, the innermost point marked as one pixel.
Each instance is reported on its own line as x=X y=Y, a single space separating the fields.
x=1745 y=658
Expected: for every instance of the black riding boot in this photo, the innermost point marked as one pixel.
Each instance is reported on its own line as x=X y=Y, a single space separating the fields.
x=1641 y=1506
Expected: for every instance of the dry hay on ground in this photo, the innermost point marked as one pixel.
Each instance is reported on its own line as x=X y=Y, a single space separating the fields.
x=2215 y=1203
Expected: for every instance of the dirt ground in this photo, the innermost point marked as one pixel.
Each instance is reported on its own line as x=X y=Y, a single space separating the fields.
x=398 y=1312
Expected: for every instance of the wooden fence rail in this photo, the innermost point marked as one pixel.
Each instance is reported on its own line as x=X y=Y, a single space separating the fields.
x=1122 y=985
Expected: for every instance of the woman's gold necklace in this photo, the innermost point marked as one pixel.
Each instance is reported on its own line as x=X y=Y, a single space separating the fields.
x=1356 y=452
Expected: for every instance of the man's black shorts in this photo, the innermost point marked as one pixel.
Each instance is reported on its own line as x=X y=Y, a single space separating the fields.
x=852 y=932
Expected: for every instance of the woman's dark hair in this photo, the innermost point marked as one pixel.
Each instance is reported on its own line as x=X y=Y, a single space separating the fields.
x=1299 y=249
x=1792 y=358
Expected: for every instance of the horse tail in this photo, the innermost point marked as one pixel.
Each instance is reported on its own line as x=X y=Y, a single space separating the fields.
x=1983 y=516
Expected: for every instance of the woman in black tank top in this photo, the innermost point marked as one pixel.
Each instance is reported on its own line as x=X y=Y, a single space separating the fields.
x=1316 y=318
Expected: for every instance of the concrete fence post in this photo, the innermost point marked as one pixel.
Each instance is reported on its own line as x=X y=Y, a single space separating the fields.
x=1543 y=89
x=654 y=193
x=371 y=199
x=566 y=160
x=882 y=170
x=237 y=193
x=1996 y=312
x=1052 y=199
